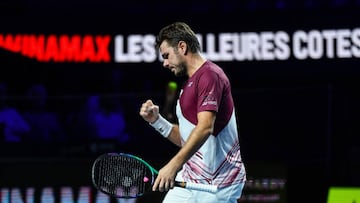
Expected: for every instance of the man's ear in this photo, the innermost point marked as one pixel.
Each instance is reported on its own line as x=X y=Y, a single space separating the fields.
x=183 y=47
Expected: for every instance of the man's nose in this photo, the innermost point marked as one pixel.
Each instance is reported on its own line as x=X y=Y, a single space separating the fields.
x=165 y=63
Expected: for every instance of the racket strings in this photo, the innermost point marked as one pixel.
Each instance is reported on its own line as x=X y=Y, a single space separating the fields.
x=122 y=176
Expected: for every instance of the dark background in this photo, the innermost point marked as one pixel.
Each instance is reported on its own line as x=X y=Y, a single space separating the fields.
x=302 y=115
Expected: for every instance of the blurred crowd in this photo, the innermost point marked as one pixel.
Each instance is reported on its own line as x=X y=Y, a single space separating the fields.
x=36 y=115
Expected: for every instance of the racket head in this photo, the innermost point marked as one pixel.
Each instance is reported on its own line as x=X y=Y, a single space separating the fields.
x=122 y=175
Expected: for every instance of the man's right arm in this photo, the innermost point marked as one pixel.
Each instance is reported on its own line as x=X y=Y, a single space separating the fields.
x=174 y=136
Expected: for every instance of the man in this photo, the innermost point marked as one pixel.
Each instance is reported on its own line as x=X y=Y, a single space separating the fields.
x=13 y=126
x=206 y=129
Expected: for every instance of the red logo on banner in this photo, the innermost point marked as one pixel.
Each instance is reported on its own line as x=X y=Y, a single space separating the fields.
x=59 y=48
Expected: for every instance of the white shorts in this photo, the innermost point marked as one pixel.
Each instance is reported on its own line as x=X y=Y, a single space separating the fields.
x=228 y=194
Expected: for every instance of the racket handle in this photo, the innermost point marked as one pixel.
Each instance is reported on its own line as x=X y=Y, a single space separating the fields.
x=197 y=186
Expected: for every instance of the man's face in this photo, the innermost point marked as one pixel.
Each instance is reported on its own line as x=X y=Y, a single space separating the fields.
x=173 y=60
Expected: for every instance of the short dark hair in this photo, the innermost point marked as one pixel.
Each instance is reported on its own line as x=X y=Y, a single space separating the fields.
x=178 y=31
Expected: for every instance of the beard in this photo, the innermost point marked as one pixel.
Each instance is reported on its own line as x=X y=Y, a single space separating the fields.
x=181 y=70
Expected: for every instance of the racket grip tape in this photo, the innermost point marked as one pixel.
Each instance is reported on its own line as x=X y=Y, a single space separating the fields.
x=198 y=186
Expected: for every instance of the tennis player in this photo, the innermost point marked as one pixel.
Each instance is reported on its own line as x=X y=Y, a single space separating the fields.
x=207 y=127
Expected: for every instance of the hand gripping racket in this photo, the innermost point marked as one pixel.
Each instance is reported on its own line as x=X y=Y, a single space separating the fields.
x=123 y=175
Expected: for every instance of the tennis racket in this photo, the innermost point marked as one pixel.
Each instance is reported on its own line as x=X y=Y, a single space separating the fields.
x=123 y=175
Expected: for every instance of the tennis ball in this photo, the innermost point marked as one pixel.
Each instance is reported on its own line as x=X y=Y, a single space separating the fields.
x=172 y=85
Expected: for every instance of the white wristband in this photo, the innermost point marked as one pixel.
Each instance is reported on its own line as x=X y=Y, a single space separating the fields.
x=163 y=126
